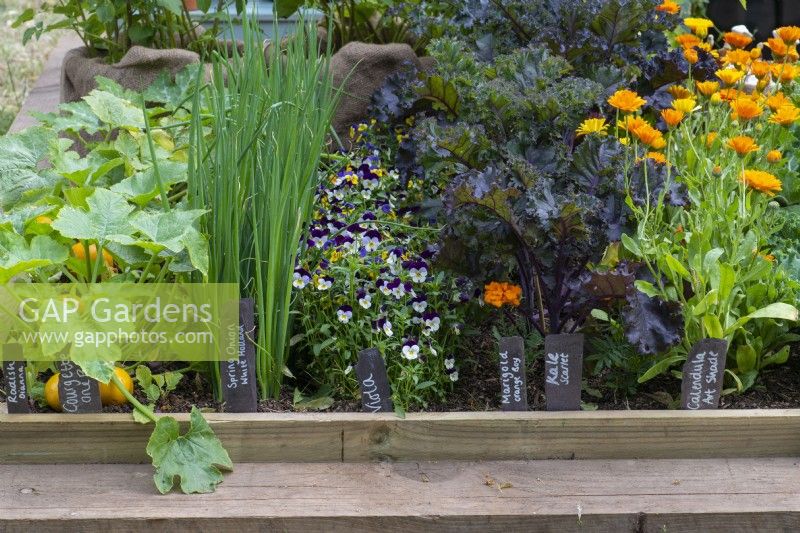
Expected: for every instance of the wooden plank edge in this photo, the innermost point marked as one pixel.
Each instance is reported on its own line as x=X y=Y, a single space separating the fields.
x=363 y=437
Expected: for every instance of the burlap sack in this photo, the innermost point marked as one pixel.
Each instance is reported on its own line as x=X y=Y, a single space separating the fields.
x=368 y=66
x=136 y=71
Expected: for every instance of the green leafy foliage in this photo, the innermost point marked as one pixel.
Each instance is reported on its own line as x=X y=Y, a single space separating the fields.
x=195 y=458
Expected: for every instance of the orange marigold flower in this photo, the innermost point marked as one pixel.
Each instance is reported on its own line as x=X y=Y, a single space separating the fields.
x=778 y=46
x=669 y=6
x=679 y=91
x=707 y=88
x=710 y=138
x=729 y=76
x=626 y=101
x=686 y=105
x=699 y=26
x=773 y=156
x=761 y=181
x=759 y=69
x=785 y=116
x=745 y=109
x=690 y=54
x=743 y=145
x=500 y=293
x=687 y=40
x=777 y=100
x=737 y=40
x=672 y=117
x=737 y=57
x=789 y=34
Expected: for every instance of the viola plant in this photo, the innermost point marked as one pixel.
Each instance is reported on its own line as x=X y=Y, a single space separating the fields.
x=366 y=278
x=721 y=141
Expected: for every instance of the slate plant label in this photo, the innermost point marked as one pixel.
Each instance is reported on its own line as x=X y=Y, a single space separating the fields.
x=563 y=371
x=376 y=395
x=239 y=372
x=513 y=383
x=78 y=392
x=16 y=386
x=703 y=373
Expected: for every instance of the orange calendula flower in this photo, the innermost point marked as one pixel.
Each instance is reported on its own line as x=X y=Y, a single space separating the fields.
x=669 y=6
x=679 y=91
x=626 y=101
x=650 y=136
x=785 y=72
x=730 y=94
x=785 y=116
x=745 y=109
x=710 y=138
x=737 y=40
x=778 y=46
x=759 y=69
x=631 y=122
x=699 y=26
x=743 y=145
x=592 y=125
x=688 y=40
x=761 y=181
x=789 y=34
x=658 y=157
x=737 y=57
x=690 y=54
x=707 y=88
x=717 y=170
x=672 y=117
x=777 y=100
x=773 y=156
x=729 y=76
x=501 y=293
x=686 y=105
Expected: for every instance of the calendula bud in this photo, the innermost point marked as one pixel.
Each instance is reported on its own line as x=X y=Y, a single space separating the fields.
x=717 y=170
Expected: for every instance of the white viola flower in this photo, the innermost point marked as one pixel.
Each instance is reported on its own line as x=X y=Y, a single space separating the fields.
x=450 y=363
x=344 y=314
x=387 y=328
x=411 y=349
x=454 y=376
x=324 y=283
x=365 y=300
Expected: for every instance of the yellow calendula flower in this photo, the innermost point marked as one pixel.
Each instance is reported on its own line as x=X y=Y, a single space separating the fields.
x=672 y=117
x=590 y=126
x=699 y=26
x=710 y=138
x=729 y=76
x=777 y=100
x=785 y=72
x=759 y=69
x=745 y=109
x=737 y=57
x=707 y=88
x=658 y=157
x=743 y=145
x=789 y=34
x=785 y=116
x=626 y=101
x=686 y=105
x=774 y=156
x=761 y=181
x=679 y=91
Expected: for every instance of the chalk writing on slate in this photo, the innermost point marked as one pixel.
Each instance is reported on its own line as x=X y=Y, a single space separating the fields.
x=78 y=392
x=239 y=371
x=16 y=387
x=563 y=370
x=376 y=396
x=513 y=384
x=703 y=373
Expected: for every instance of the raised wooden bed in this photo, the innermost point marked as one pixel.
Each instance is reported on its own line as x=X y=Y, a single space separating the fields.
x=358 y=437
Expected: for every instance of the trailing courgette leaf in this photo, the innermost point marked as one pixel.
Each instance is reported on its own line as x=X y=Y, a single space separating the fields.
x=108 y=215
x=115 y=111
x=73 y=117
x=195 y=458
x=142 y=187
x=17 y=256
x=20 y=155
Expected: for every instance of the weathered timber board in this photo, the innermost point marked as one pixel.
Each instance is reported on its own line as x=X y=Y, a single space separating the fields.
x=358 y=437
x=719 y=495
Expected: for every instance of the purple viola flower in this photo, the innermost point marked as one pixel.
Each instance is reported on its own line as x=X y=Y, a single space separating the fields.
x=364 y=298
x=396 y=288
x=371 y=240
x=432 y=321
x=301 y=278
x=430 y=251
x=383 y=324
x=411 y=349
x=419 y=303
x=344 y=314
x=319 y=237
x=418 y=270
x=368 y=215
x=383 y=286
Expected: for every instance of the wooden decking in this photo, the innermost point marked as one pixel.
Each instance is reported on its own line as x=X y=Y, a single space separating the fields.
x=727 y=495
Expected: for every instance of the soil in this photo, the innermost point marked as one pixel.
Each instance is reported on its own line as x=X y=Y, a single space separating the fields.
x=478 y=386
